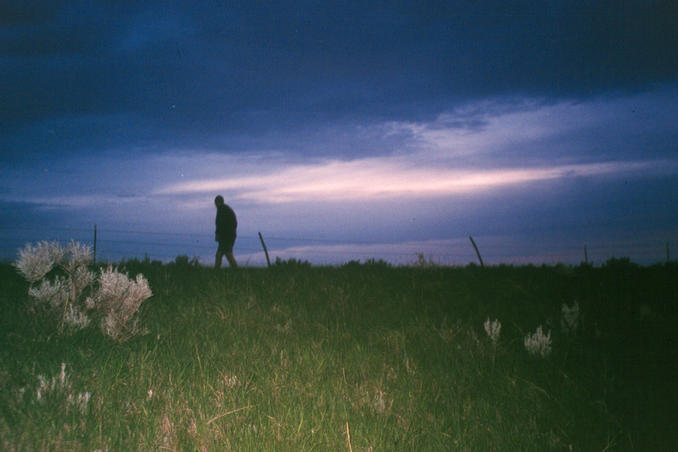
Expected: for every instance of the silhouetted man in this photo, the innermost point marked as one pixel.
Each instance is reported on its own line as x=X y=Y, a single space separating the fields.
x=225 y=234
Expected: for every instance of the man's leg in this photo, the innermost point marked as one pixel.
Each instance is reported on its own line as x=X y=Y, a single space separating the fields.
x=218 y=258
x=231 y=259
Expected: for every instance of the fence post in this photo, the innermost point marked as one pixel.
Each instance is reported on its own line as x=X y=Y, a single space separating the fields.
x=268 y=261
x=95 y=244
x=477 y=252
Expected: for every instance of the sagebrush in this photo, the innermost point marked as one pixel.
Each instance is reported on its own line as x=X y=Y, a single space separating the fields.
x=63 y=289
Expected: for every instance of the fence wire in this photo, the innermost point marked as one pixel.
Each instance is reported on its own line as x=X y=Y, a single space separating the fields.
x=119 y=244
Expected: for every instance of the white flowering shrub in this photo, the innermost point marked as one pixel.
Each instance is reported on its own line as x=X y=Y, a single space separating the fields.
x=61 y=296
x=538 y=343
x=493 y=329
x=119 y=299
x=570 y=318
x=58 y=389
x=36 y=261
x=73 y=292
x=53 y=293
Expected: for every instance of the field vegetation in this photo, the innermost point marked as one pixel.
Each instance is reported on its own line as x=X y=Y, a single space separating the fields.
x=361 y=357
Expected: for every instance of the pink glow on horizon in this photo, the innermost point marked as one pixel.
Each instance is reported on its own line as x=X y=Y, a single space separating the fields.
x=383 y=178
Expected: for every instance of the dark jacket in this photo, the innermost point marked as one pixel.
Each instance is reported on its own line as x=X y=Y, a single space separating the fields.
x=226 y=223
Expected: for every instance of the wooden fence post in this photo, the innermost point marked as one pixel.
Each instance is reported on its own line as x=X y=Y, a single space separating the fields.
x=477 y=252
x=268 y=261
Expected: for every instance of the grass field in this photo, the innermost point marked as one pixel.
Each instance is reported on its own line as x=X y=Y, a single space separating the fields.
x=353 y=358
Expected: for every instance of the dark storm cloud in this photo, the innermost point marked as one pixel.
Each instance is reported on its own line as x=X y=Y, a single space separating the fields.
x=27 y=12
x=21 y=215
x=174 y=73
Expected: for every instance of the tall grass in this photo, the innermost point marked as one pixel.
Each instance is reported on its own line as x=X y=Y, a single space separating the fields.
x=298 y=357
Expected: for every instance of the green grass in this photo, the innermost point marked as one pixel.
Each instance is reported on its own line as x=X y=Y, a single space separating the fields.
x=293 y=357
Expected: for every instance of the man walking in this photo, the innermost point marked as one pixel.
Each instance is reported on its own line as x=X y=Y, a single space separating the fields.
x=225 y=233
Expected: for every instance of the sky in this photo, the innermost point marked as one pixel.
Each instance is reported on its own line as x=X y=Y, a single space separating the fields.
x=343 y=130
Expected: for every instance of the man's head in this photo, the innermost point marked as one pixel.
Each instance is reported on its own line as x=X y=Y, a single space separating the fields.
x=219 y=201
